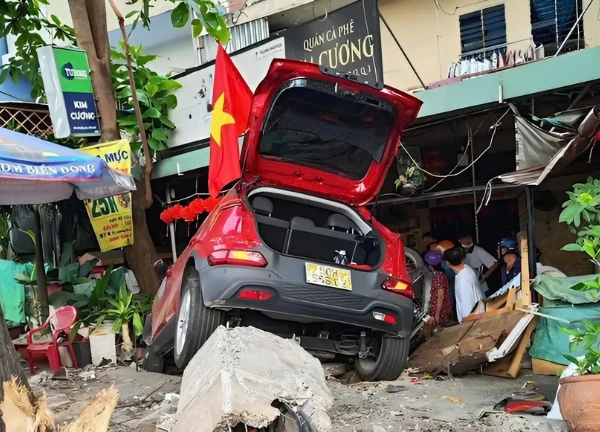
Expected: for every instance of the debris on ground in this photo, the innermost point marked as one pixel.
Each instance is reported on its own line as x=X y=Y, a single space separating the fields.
x=462 y=348
x=240 y=373
x=454 y=399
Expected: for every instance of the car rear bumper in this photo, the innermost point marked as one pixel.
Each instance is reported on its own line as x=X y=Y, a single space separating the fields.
x=221 y=286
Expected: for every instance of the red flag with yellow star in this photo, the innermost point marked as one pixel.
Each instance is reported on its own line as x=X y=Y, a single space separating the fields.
x=231 y=102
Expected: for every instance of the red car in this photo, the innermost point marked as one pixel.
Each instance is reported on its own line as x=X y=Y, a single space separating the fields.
x=293 y=248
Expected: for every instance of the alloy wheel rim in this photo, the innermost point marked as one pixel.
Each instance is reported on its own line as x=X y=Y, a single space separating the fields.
x=182 y=321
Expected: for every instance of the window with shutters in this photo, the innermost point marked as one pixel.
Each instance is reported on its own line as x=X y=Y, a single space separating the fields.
x=483 y=30
x=551 y=22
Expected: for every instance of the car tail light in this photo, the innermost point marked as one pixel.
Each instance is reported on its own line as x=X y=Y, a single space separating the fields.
x=398 y=286
x=237 y=257
x=386 y=318
x=255 y=295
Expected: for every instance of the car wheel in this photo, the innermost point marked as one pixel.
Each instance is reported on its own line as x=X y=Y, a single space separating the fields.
x=153 y=362
x=389 y=362
x=195 y=322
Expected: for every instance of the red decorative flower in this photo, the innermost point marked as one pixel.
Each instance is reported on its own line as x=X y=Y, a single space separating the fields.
x=166 y=216
x=210 y=203
x=197 y=206
x=187 y=214
x=176 y=211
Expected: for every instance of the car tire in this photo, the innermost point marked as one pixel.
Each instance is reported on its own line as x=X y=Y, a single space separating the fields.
x=195 y=322
x=390 y=362
x=153 y=362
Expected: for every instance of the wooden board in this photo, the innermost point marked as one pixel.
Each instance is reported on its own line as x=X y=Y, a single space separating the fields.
x=511 y=297
x=525 y=282
x=515 y=367
x=543 y=367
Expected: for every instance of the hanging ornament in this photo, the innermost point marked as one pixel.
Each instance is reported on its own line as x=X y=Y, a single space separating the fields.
x=210 y=203
x=187 y=214
x=176 y=211
x=166 y=216
x=197 y=206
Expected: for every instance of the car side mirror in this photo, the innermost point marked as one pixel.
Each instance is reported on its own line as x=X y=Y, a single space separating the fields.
x=160 y=268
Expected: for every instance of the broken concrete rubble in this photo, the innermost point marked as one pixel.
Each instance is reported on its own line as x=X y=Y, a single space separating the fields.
x=239 y=373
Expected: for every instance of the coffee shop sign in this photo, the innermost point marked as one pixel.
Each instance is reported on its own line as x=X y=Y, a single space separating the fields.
x=347 y=50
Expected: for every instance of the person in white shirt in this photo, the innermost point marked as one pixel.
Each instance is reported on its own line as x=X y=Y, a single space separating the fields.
x=478 y=259
x=466 y=285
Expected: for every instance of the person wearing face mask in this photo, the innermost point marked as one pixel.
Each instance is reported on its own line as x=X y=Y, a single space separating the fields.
x=478 y=259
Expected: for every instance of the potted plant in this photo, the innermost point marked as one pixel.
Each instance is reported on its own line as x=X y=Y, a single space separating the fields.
x=579 y=395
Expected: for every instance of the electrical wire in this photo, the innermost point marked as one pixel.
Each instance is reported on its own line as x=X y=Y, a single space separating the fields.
x=469 y=143
x=494 y=127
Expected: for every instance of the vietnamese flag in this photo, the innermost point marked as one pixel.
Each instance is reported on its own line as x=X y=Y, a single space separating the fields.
x=231 y=102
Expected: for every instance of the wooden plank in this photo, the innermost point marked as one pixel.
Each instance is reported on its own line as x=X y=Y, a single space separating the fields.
x=525 y=343
x=525 y=282
x=496 y=303
x=543 y=367
x=511 y=297
x=498 y=368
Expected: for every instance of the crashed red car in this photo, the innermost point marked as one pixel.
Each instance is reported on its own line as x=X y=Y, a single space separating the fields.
x=293 y=249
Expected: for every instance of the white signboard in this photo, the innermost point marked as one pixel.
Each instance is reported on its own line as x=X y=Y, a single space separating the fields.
x=193 y=113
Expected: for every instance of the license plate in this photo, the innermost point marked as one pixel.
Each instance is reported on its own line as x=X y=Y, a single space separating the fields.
x=323 y=275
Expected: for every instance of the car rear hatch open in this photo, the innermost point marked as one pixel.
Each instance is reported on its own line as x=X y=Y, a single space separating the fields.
x=322 y=134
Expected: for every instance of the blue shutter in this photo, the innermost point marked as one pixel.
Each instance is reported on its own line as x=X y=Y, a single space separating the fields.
x=483 y=29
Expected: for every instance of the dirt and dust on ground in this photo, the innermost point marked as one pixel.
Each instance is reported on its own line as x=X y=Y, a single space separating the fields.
x=408 y=404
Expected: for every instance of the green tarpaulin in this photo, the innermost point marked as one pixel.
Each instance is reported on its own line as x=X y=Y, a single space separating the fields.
x=557 y=290
x=12 y=294
x=550 y=343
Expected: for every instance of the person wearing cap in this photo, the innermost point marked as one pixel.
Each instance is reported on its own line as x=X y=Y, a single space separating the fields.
x=440 y=310
x=467 y=287
x=511 y=260
x=478 y=259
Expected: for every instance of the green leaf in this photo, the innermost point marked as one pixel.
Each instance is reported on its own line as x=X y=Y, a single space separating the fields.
x=571 y=359
x=196 y=28
x=129 y=120
x=155 y=144
x=74 y=330
x=159 y=133
x=180 y=15
x=572 y=247
x=132 y=13
x=30 y=233
x=145 y=59
x=117 y=326
x=151 y=113
x=169 y=85
x=151 y=89
x=171 y=101
x=66 y=255
x=166 y=122
x=62 y=298
x=138 y=327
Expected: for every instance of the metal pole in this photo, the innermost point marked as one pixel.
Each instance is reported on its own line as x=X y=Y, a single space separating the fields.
x=171 y=227
x=531 y=232
x=573 y=28
x=401 y=49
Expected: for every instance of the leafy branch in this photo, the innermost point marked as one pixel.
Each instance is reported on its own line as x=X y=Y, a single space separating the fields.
x=582 y=213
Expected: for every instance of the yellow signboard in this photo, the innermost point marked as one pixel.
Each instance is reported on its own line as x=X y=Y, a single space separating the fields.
x=111 y=217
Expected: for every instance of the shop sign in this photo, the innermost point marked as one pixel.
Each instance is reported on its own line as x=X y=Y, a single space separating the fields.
x=111 y=217
x=66 y=76
x=346 y=40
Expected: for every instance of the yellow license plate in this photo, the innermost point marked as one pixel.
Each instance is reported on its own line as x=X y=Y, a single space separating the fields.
x=323 y=275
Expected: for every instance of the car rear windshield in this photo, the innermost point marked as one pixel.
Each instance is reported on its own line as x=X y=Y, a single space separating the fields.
x=325 y=131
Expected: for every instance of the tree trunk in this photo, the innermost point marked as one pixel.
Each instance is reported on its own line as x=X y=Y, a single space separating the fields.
x=89 y=21
x=127 y=343
x=141 y=255
x=9 y=362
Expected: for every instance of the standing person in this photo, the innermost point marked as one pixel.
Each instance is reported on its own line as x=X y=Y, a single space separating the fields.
x=441 y=308
x=467 y=287
x=478 y=259
x=442 y=247
x=511 y=259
